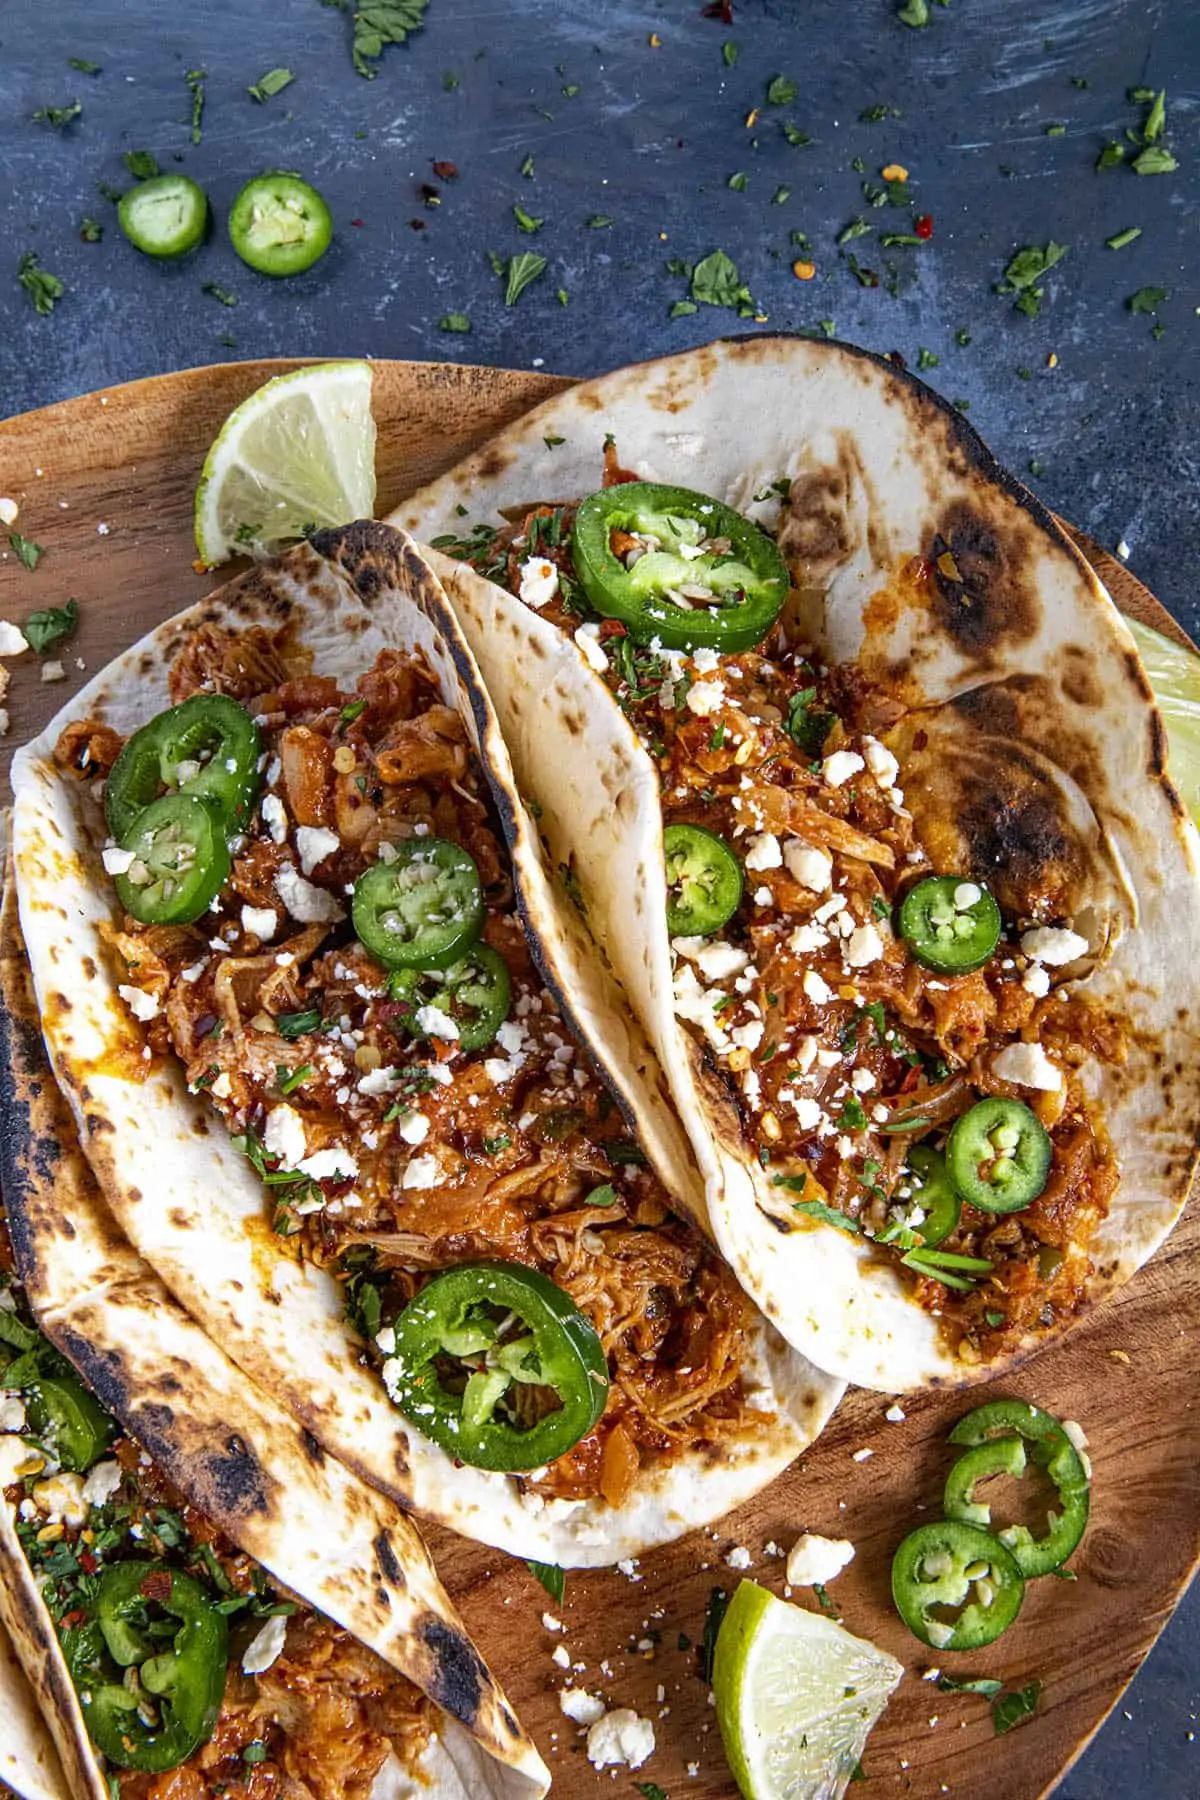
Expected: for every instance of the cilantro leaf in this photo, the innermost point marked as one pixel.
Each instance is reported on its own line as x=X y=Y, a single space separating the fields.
x=25 y=548
x=817 y=1209
x=43 y=288
x=915 y=14
x=522 y=270
x=552 y=1578
x=141 y=164
x=378 y=23
x=794 y=135
x=781 y=91
x=45 y=628
x=982 y=1685
x=1009 y=1709
x=223 y=294
x=58 y=116
x=454 y=321
x=1155 y=159
x=83 y=65
x=273 y=82
x=1147 y=299
x=806 y=724
x=91 y=230
x=526 y=221
x=716 y=282
x=1024 y=273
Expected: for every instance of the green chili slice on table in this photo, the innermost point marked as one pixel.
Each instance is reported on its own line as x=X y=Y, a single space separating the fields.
x=209 y=746
x=950 y=924
x=180 y=861
x=65 y=1418
x=165 y=216
x=991 y=1429
x=280 y=225
x=704 y=881
x=155 y=1650
x=966 y=1572
x=498 y=1366
x=935 y=1193
x=421 y=910
x=474 y=994
x=998 y=1155
x=695 y=572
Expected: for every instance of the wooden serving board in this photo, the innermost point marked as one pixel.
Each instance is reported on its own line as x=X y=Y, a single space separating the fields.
x=105 y=484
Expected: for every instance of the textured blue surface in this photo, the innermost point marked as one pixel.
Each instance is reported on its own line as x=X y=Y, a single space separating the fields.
x=651 y=139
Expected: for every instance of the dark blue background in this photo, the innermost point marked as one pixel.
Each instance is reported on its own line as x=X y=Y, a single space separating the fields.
x=651 y=139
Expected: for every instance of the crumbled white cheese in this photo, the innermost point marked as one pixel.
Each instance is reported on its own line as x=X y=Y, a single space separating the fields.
x=561 y=1655
x=283 y=1135
x=579 y=1705
x=116 y=861
x=8 y=511
x=222 y=1087
x=816 y=989
x=739 y=1557
x=307 y=904
x=437 y=1024
x=261 y=922
x=763 y=896
x=1050 y=944
x=864 y=946
x=378 y=1081
x=12 y=639
x=895 y=1414
x=588 y=639
x=53 y=671
x=548 y=1619
x=811 y=867
x=706 y=660
x=103 y=1480
x=838 y=768
x=12 y=1412
x=717 y=962
x=539 y=582
x=421 y=1172
x=141 y=1004
x=880 y=761
x=705 y=698
x=266 y=1647
x=413 y=1127
x=314 y=844
x=620 y=1738
x=1027 y=1065
x=764 y=853
x=274 y=817
x=696 y=1004
x=329 y=1165
x=748 y=1036
x=813 y=1561
x=60 y=1498
x=1036 y=981
x=862 y=1081
x=808 y=1112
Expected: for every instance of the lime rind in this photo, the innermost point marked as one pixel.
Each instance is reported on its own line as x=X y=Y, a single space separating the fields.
x=797 y=1696
x=298 y=453
x=1174 y=675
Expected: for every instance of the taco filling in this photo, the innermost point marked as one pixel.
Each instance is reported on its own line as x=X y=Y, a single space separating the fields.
x=901 y=1054
x=320 y=924
x=197 y=1676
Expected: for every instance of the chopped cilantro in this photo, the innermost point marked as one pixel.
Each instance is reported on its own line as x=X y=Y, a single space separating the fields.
x=141 y=164
x=729 y=53
x=43 y=288
x=58 y=116
x=995 y=1320
x=604 y=1195
x=454 y=321
x=26 y=550
x=795 y=1184
x=223 y=294
x=872 y=115
x=378 y=23
x=255 y=1752
x=781 y=91
x=794 y=135
x=273 y=82
x=1155 y=159
x=492 y=1146
x=823 y=1601
x=651 y=1790
x=716 y=282
x=551 y=442
x=527 y=168
x=738 y=182
x=914 y=13
x=681 y=308
x=564 y=299
x=1147 y=299
x=83 y=65
x=806 y=724
x=855 y=229
x=90 y=230
x=522 y=270
x=449 y=81
x=817 y=1209
x=781 y=194
x=962 y=337
x=195 y=79
x=288 y=1080
x=298 y=1024
x=1024 y=273
x=526 y=221
x=45 y=628
x=599 y=221
x=1119 y=240
x=1009 y=1709
x=1110 y=156
x=552 y=1578
x=1056 y=130
x=852 y=1117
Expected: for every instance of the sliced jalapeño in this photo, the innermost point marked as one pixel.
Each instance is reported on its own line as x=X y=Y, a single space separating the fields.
x=998 y=1155
x=999 y=1436
x=180 y=861
x=209 y=746
x=950 y=924
x=704 y=881
x=421 y=910
x=966 y=1573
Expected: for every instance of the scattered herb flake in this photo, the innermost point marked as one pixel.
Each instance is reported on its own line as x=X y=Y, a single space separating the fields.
x=527 y=168
x=682 y=308
x=1119 y=240
x=141 y=164
x=781 y=194
x=273 y=82
x=1156 y=119
x=651 y=1790
x=522 y=270
x=83 y=65
x=872 y=115
x=449 y=81
x=90 y=230
x=738 y=182
x=981 y=1685
x=58 y=116
x=526 y=221
x=1056 y=130
x=25 y=550
x=223 y=294
x=1024 y=273
x=195 y=79
x=914 y=13
x=729 y=53
x=855 y=229
x=1155 y=159
x=926 y=360
x=781 y=91
x=564 y=299
x=43 y=288
x=823 y=1601
x=45 y=628
x=454 y=321
x=552 y=1578
x=962 y=337
x=1147 y=299
x=817 y=1209
x=599 y=221
x=794 y=135
x=716 y=282
x=1110 y=156
x=1009 y=1709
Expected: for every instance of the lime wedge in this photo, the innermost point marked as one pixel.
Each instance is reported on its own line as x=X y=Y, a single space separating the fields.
x=298 y=453
x=1175 y=677
x=796 y=1697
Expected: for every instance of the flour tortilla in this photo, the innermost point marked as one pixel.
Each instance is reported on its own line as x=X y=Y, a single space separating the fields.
x=29 y=1763
x=1043 y=750
x=186 y=1197
x=237 y=1456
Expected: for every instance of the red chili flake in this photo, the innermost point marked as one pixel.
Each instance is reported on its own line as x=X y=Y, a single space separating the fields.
x=911 y=1080
x=612 y=628
x=923 y=227
x=446 y=171
x=88 y=1562
x=75 y=1617
x=156 y=1585
x=359 y=222
x=720 y=9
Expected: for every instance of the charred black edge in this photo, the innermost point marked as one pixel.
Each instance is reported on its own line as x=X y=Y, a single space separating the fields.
x=459 y=1680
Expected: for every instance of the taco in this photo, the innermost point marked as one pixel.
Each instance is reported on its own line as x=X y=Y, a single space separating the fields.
x=899 y=888
x=29 y=1763
x=326 y=1081
x=205 y=1604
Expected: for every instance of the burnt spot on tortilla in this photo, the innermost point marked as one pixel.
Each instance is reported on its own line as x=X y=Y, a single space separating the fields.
x=493 y=461
x=312 y=1449
x=509 y=1722
x=179 y=1219
x=388 y=1561
x=1078 y=676
x=1016 y=843
x=458 y=1680
x=984 y=592
x=1158 y=744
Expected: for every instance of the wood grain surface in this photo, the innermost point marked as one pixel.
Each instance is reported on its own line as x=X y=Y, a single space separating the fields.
x=105 y=484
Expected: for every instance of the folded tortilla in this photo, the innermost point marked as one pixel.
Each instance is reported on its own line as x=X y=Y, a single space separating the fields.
x=28 y=1760
x=189 y=1200
x=1030 y=752
x=237 y=1456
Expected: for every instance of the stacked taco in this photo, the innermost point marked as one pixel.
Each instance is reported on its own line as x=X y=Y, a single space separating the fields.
x=853 y=765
